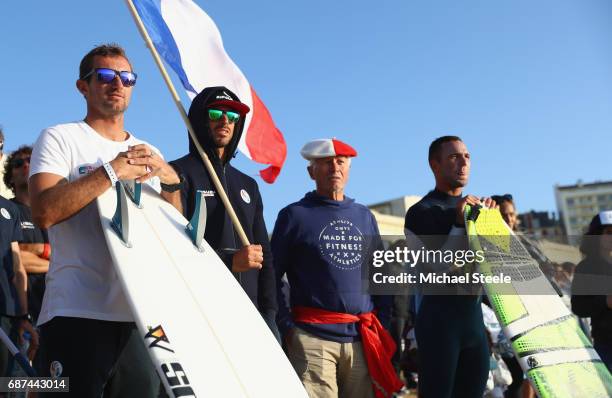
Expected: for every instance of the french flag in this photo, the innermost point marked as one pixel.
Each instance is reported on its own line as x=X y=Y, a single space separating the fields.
x=190 y=42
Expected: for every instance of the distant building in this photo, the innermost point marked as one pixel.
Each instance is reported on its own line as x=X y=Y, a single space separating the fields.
x=389 y=225
x=541 y=225
x=390 y=217
x=395 y=207
x=577 y=204
x=560 y=253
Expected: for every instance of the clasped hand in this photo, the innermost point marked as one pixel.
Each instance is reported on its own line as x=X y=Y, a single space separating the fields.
x=141 y=163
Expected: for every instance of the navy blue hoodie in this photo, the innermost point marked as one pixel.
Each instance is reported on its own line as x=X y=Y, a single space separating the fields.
x=10 y=231
x=322 y=245
x=243 y=194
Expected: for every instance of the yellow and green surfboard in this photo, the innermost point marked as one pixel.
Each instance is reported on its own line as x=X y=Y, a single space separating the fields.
x=557 y=357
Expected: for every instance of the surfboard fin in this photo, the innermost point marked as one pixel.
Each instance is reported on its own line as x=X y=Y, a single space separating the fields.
x=197 y=225
x=120 y=222
x=133 y=190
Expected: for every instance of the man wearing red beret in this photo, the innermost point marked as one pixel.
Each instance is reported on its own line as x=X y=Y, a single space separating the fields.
x=332 y=335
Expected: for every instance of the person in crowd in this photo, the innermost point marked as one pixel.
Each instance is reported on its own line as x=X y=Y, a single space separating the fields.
x=4 y=191
x=85 y=320
x=15 y=318
x=35 y=248
x=500 y=376
x=507 y=208
x=218 y=117
x=592 y=284
x=453 y=351
x=332 y=331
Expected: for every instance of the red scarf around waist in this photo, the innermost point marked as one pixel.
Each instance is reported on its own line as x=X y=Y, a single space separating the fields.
x=378 y=345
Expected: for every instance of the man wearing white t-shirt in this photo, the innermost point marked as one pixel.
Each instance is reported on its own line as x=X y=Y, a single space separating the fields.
x=85 y=319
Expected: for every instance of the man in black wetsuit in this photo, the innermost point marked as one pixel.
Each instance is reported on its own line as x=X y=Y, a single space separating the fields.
x=453 y=350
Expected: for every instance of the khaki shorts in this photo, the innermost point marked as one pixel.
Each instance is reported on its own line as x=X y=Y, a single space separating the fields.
x=329 y=369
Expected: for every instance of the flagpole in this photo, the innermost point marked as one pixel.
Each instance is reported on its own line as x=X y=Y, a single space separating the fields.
x=181 y=109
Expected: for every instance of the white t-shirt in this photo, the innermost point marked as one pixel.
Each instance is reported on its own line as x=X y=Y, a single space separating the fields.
x=81 y=281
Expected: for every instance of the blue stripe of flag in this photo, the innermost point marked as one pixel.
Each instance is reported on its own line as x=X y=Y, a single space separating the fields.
x=150 y=13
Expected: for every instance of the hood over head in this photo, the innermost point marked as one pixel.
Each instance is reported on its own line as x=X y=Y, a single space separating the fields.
x=207 y=98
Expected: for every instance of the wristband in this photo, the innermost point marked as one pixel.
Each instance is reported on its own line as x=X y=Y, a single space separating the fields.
x=173 y=187
x=46 y=254
x=111 y=173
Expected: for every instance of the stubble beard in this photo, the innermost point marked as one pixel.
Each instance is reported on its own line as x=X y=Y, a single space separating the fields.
x=114 y=108
x=220 y=142
x=455 y=183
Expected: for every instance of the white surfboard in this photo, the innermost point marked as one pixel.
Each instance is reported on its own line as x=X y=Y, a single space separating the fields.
x=203 y=334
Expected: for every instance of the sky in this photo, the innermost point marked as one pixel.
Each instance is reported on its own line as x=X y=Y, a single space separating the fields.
x=527 y=85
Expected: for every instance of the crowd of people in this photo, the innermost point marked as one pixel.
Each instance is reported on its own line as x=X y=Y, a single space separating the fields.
x=342 y=342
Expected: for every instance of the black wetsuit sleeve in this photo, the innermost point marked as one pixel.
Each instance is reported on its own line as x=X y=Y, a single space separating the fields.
x=432 y=220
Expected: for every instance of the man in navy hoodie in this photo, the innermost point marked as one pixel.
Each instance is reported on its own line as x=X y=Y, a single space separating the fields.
x=332 y=337
x=217 y=116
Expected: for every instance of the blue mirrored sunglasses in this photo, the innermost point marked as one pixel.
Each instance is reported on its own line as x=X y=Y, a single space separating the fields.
x=107 y=75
